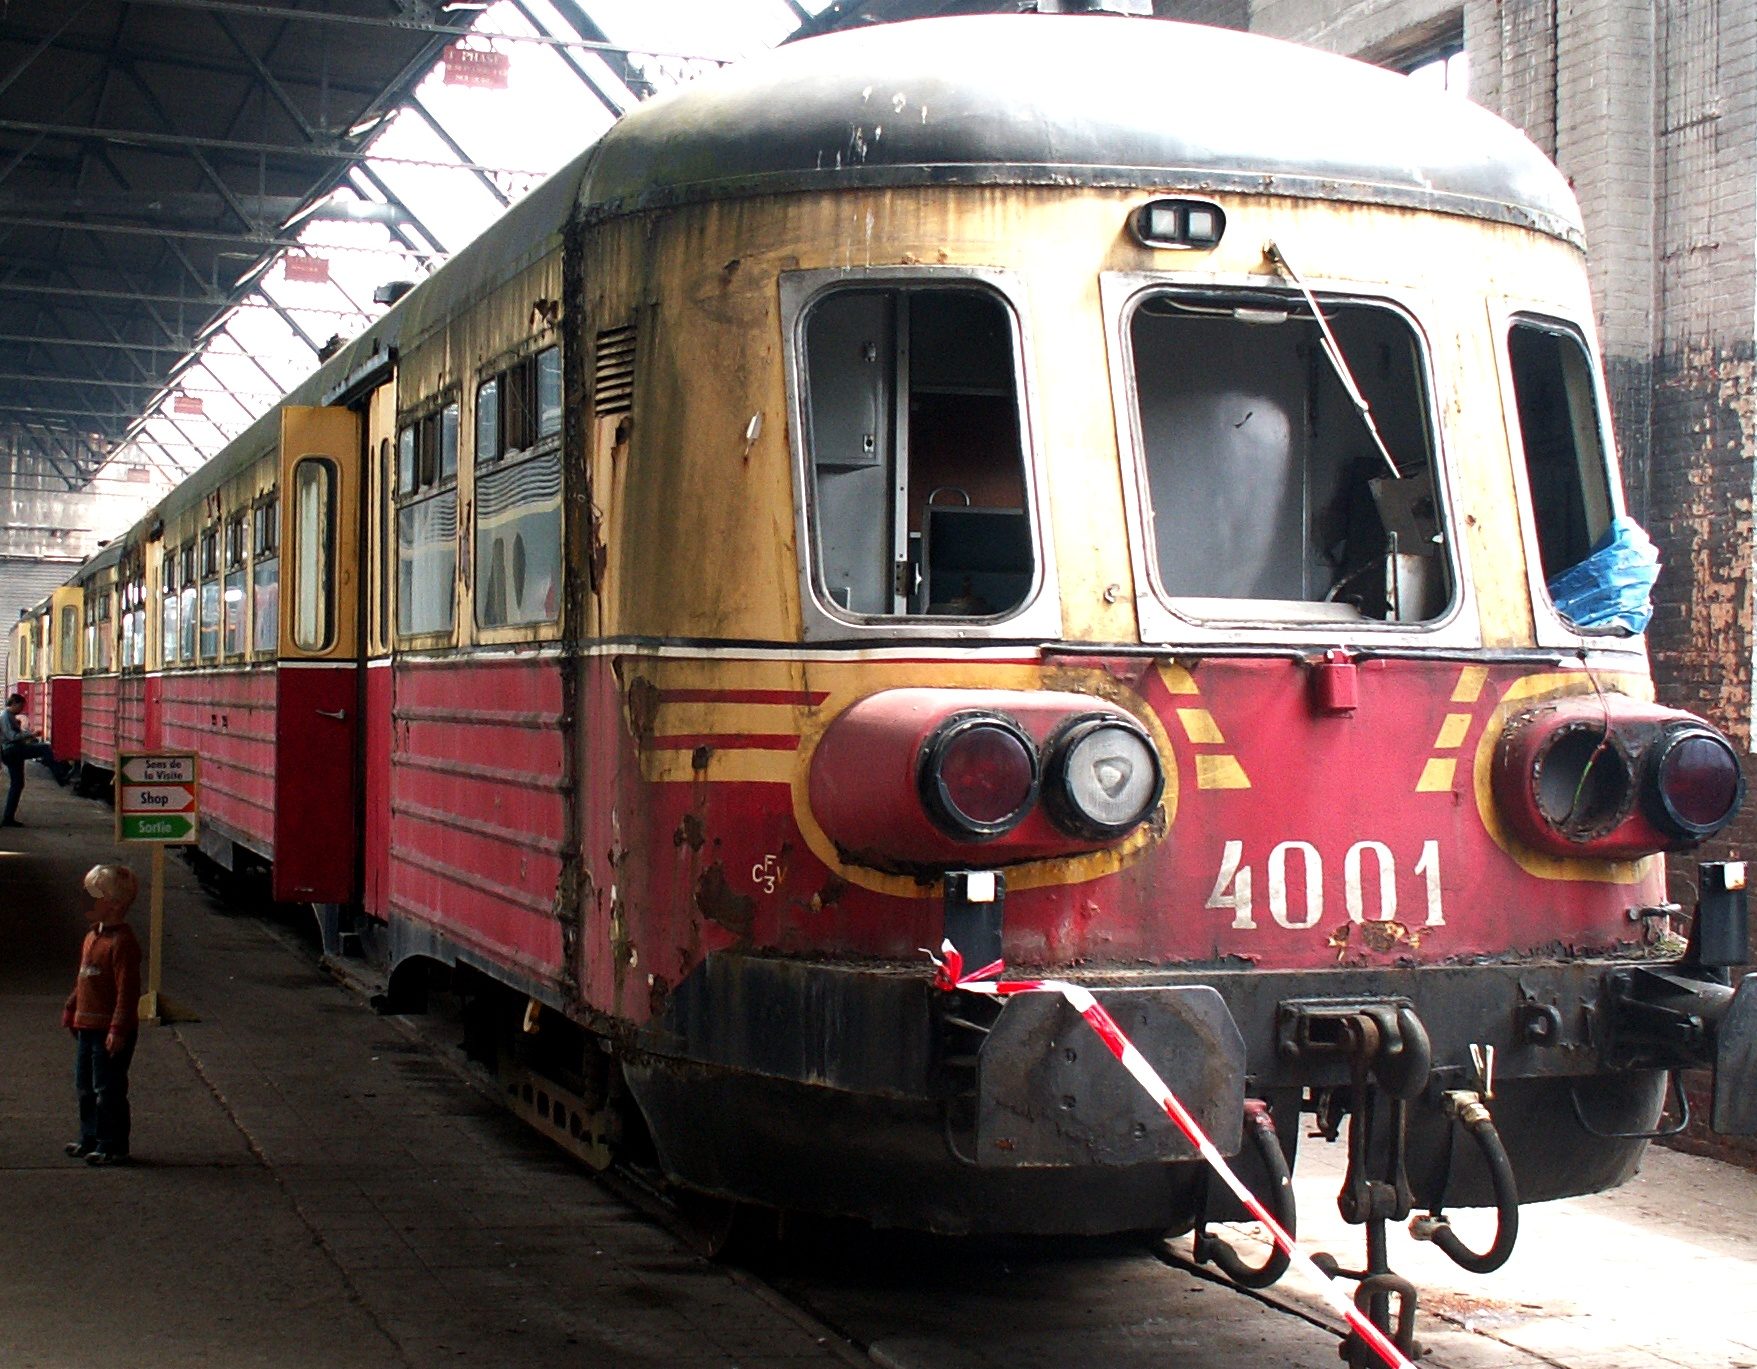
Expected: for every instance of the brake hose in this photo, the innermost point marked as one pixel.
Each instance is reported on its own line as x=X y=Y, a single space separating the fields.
x=1472 y=1114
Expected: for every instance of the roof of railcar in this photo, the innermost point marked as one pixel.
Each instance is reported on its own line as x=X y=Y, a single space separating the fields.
x=1073 y=100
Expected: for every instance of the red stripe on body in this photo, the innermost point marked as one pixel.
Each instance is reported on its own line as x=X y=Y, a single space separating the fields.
x=726 y=741
x=804 y=698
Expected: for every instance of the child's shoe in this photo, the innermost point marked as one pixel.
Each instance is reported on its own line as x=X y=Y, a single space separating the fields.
x=101 y=1158
x=78 y=1149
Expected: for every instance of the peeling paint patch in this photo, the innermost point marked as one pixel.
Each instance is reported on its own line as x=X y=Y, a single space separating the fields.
x=1379 y=938
x=643 y=708
x=830 y=894
x=1384 y=937
x=691 y=832
x=716 y=901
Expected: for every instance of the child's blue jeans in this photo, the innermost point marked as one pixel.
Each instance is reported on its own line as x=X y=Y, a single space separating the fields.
x=101 y=1080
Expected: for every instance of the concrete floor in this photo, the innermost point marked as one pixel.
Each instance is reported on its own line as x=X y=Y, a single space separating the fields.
x=312 y=1186
x=316 y=1187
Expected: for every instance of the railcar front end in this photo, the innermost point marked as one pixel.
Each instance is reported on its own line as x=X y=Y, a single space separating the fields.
x=1116 y=540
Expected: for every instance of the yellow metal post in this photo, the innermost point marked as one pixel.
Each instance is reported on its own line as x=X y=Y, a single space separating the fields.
x=155 y=938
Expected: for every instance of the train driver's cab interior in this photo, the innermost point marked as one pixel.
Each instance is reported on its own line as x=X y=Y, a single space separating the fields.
x=1269 y=497
x=918 y=488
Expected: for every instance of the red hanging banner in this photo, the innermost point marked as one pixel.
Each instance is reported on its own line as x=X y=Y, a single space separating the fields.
x=301 y=266
x=483 y=68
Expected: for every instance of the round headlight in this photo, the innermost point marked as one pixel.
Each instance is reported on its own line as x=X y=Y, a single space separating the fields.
x=1104 y=777
x=978 y=775
x=1695 y=785
x=1583 y=786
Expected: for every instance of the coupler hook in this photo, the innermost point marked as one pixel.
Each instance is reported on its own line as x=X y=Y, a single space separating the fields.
x=1470 y=1112
x=1260 y=1131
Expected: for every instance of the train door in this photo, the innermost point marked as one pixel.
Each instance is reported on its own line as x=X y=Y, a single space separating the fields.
x=317 y=685
x=66 y=607
x=377 y=722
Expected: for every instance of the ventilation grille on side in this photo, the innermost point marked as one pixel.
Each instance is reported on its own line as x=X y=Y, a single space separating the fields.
x=613 y=372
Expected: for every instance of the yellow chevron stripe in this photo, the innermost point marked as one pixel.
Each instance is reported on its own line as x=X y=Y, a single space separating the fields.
x=1470 y=683
x=1220 y=772
x=1452 y=732
x=1177 y=679
x=1436 y=775
x=1200 y=727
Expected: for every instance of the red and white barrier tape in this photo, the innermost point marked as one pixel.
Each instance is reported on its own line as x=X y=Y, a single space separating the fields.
x=949 y=975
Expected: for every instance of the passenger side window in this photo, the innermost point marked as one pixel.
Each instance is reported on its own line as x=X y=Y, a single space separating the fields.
x=186 y=624
x=265 y=586
x=1269 y=497
x=235 y=607
x=518 y=493
x=210 y=594
x=168 y=609
x=917 y=462
x=427 y=521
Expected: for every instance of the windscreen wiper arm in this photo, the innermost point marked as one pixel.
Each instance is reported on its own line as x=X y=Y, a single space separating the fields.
x=1333 y=350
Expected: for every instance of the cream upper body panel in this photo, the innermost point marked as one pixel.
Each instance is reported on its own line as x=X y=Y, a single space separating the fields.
x=708 y=482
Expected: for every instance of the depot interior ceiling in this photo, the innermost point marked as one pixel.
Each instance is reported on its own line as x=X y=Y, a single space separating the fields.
x=157 y=158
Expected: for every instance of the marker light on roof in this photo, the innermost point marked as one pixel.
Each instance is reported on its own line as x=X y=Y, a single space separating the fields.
x=1179 y=223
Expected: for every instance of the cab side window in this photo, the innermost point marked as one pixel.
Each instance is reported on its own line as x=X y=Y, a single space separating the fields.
x=917 y=462
x=1564 y=455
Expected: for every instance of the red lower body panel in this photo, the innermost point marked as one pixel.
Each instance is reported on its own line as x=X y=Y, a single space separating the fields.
x=97 y=729
x=131 y=710
x=227 y=718
x=478 y=827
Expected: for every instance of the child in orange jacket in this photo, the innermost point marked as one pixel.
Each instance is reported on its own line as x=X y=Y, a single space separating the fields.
x=102 y=1012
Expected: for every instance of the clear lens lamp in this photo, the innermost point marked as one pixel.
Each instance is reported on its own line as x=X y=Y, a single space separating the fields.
x=1104 y=778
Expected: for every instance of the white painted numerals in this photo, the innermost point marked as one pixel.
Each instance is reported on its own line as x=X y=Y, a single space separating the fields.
x=766 y=873
x=1295 y=876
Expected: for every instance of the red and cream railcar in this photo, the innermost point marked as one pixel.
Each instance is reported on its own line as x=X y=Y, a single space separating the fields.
x=994 y=479
x=206 y=664
x=100 y=662
x=46 y=653
x=62 y=715
x=25 y=656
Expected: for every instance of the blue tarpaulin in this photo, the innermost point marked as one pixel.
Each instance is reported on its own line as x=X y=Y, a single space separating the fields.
x=1613 y=587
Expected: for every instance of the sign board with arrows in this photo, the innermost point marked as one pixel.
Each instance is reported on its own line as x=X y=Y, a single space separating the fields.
x=157 y=798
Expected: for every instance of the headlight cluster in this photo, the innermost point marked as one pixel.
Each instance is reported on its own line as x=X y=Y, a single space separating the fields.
x=980 y=775
x=1615 y=778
